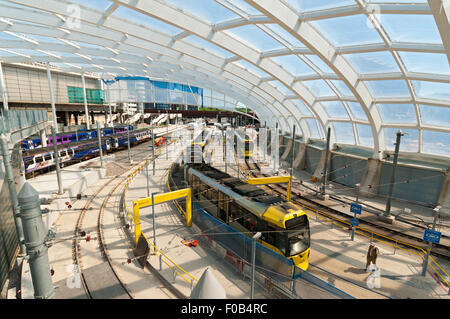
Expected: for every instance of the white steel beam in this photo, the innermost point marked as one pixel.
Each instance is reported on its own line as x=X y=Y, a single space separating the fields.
x=289 y=19
x=441 y=13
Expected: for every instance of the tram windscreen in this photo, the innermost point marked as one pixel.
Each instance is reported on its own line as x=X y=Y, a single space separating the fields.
x=298 y=235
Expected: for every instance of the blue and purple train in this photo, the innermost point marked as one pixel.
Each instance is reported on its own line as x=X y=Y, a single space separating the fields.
x=68 y=137
x=41 y=159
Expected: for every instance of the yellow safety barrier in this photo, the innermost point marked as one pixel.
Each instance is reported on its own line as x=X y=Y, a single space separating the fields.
x=165 y=259
x=272 y=180
x=162 y=198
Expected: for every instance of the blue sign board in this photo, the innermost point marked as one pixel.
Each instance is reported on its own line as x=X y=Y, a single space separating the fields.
x=354 y=221
x=432 y=236
x=356 y=208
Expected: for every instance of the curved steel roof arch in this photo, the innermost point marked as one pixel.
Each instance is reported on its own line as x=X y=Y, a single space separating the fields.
x=298 y=28
x=131 y=40
x=80 y=59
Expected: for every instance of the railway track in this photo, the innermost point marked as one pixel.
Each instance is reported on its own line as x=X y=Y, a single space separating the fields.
x=89 y=250
x=371 y=229
x=89 y=228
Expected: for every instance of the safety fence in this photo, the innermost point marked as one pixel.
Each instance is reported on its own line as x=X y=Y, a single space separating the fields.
x=9 y=242
x=13 y=120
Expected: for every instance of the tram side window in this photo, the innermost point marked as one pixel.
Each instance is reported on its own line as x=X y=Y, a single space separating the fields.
x=249 y=221
x=39 y=159
x=213 y=196
x=239 y=214
x=28 y=162
x=63 y=153
x=47 y=157
x=195 y=182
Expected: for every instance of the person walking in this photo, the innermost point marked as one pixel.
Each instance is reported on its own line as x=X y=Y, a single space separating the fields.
x=372 y=254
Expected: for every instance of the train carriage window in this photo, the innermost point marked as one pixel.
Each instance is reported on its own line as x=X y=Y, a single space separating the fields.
x=63 y=153
x=28 y=162
x=39 y=159
x=47 y=157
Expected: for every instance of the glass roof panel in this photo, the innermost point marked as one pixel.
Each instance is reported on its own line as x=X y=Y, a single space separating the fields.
x=282 y=34
x=6 y=36
x=388 y=88
x=397 y=1
x=344 y=132
x=201 y=43
x=397 y=113
x=365 y=135
x=247 y=65
x=349 y=30
x=432 y=90
x=312 y=5
x=318 y=63
x=208 y=10
x=436 y=142
x=342 y=88
x=145 y=20
x=280 y=86
x=293 y=64
x=242 y=5
x=100 y=5
x=408 y=143
x=418 y=28
x=255 y=37
x=313 y=128
x=319 y=88
x=335 y=109
x=303 y=108
x=425 y=62
x=435 y=115
x=373 y=62
x=7 y=52
x=357 y=111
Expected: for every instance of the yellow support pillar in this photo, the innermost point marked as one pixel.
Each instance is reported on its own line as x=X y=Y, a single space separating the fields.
x=137 y=222
x=272 y=180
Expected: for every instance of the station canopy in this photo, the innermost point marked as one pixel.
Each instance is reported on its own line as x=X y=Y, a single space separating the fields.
x=365 y=68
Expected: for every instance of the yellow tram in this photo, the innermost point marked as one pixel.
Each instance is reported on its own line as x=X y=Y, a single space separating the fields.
x=249 y=209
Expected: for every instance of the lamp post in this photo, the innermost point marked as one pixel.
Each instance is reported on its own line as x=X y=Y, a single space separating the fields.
x=292 y=158
x=128 y=134
x=394 y=167
x=325 y=168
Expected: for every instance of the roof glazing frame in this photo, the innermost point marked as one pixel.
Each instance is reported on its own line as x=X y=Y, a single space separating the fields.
x=185 y=60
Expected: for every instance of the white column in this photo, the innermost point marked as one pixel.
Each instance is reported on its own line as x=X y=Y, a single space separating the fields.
x=111 y=124
x=3 y=88
x=43 y=135
x=85 y=102
x=52 y=98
